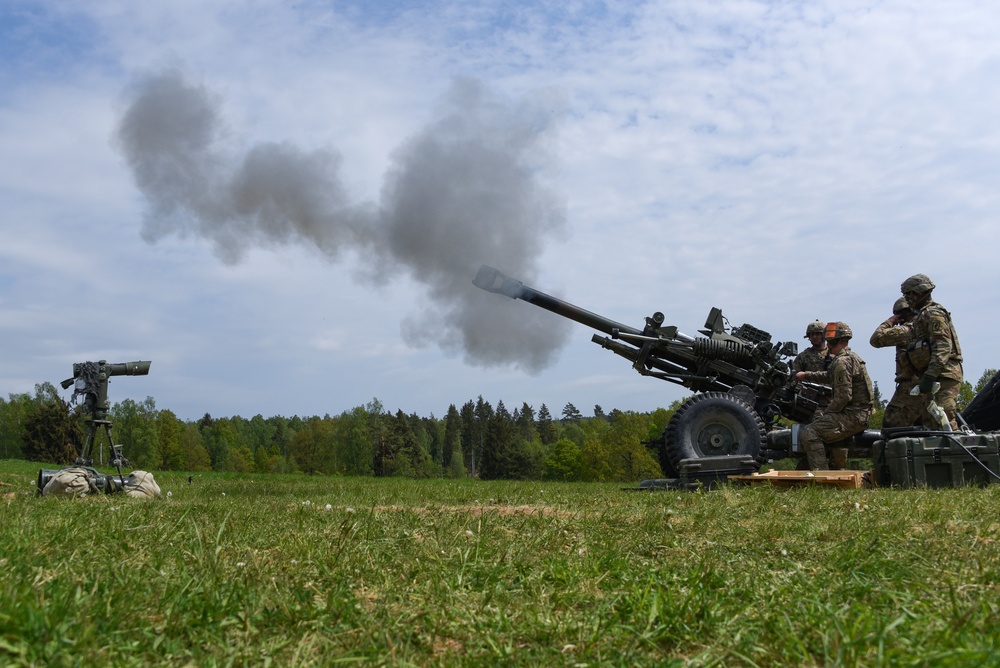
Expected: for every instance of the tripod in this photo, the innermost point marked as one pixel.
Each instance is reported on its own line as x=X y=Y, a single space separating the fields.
x=116 y=458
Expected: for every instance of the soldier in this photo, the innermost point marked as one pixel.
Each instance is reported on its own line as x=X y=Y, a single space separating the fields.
x=851 y=404
x=903 y=410
x=935 y=353
x=816 y=358
x=813 y=358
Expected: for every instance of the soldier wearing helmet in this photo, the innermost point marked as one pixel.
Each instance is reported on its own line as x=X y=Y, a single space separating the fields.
x=851 y=405
x=903 y=410
x=813 y=358
x=934 y=352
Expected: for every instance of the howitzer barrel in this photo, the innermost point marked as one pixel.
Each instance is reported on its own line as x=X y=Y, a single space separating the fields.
x=493 y=280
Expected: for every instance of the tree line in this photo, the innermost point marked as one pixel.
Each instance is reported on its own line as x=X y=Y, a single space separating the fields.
x=477 y=439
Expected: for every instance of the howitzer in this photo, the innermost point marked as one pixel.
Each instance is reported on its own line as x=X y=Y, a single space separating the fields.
x=744 y=382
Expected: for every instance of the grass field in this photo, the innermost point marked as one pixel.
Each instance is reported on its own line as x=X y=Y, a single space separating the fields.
x=303 y=571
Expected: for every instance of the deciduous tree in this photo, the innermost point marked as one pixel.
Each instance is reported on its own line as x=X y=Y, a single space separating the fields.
x=51 y=432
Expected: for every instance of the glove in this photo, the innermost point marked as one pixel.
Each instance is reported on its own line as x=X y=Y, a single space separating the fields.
x=927 y=383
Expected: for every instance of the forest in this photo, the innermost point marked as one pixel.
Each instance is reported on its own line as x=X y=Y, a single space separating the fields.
x=477 y=439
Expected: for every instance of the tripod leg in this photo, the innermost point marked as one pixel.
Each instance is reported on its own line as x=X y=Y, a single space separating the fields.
x=117 y=459
x=87 y=442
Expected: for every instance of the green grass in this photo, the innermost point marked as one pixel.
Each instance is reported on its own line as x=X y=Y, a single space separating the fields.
x=255 y=570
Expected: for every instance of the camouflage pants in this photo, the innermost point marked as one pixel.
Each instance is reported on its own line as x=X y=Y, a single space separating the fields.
x=946 y=398
x=827 y=430
x=904 y=410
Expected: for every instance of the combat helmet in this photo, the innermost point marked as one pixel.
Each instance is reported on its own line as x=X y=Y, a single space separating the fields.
x=838 y=330
x=900 y=306
x=918 y=283
x=815 y=327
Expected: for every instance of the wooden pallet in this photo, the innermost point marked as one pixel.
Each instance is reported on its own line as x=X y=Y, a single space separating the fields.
x=785 y=479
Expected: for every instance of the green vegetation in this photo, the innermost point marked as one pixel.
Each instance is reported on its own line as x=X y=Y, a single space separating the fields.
x=296 y=570
x=478 y=440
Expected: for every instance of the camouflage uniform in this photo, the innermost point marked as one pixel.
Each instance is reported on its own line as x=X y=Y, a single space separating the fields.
x=849 y=409
x=903 y=410
x=810 y=359
x=814 y=359
x=935 y=351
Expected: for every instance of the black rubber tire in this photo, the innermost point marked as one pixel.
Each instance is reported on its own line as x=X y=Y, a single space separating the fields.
x=713 y=424
x=666 y=466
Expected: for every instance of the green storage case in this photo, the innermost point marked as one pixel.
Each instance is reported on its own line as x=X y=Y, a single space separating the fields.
x=943 y=460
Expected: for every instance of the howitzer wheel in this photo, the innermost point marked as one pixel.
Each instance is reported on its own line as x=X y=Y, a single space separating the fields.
x=712 y=424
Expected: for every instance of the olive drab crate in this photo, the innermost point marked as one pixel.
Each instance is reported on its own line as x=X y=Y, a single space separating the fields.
x=940 y=460
x=705 y=472
x=711 y=471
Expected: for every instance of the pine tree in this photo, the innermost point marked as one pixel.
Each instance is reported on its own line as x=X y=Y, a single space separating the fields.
x=483 y=414
x=498 y=444
x=452 y=445
x=571 y=413
x=546 y=427
x=526 y=423
x=468 y=436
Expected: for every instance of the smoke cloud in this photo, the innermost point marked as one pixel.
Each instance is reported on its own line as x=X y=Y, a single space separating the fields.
x=461 y=193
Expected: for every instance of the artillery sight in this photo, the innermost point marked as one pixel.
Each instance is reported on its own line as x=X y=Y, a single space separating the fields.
x=90 y=379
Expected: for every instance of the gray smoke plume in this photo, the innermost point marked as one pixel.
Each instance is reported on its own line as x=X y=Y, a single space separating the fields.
x=461 y=193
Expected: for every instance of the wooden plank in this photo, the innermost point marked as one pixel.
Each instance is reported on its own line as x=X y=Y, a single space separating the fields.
x=785 y=479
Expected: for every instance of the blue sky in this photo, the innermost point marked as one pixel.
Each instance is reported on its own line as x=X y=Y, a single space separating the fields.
x=784 y=161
